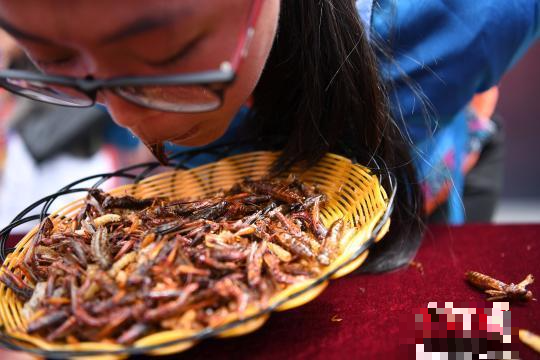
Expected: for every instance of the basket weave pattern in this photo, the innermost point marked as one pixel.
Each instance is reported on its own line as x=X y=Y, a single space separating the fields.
x=353 y=193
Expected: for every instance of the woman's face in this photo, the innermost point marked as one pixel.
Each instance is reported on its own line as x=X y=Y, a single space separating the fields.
x=106 y=39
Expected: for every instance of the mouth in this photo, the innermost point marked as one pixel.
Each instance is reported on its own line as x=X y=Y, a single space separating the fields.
x=185 y=136
x=157 y=147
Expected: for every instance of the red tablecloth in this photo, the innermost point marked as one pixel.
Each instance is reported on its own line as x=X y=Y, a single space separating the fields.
x=371 y=306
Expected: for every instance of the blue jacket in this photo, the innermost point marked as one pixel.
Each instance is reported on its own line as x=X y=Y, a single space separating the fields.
x=452 y=49
x=449 y=50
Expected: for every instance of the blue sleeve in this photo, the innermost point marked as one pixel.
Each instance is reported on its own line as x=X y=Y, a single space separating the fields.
x=451 y=49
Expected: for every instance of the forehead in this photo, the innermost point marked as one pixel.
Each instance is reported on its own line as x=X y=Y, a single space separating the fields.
x=87 y=20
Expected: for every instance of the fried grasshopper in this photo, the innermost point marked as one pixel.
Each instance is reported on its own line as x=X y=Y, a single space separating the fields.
x=124 y=267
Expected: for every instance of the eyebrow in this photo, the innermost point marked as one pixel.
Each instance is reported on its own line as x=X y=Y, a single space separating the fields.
x=137 y=27
x=142 y=25
x=19 y=34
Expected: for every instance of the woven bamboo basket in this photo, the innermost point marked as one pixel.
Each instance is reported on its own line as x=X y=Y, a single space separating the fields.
x=354 y=193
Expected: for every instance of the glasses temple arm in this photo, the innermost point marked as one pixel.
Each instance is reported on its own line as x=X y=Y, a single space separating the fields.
x=243 y=44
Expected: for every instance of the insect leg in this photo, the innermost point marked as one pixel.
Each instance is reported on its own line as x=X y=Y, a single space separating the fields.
x=527 y=281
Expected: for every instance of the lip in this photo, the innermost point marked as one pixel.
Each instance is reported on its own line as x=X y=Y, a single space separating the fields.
x=187 y=135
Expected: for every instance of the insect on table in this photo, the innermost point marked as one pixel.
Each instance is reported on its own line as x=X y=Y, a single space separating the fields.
x=498 y=290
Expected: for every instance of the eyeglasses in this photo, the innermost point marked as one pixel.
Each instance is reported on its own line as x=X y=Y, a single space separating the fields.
x=185 y=93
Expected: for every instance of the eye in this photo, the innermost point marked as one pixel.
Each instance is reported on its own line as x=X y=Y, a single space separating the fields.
x=179 y=55
x=57 y=63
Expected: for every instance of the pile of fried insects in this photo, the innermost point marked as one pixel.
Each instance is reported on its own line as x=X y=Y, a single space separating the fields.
x=124 y=267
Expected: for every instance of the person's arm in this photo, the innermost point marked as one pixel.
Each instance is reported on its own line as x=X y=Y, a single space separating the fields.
x=451 y=49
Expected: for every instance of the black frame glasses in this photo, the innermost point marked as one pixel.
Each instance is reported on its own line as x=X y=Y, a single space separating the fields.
x=186 y=93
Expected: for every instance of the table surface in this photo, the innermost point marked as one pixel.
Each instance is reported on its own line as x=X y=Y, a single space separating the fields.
x=371 y=306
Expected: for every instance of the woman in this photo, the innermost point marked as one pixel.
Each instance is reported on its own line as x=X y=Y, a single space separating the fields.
x=306 y=69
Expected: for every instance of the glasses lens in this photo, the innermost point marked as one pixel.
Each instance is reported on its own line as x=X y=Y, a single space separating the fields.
x=185 y=98
x=49 y=93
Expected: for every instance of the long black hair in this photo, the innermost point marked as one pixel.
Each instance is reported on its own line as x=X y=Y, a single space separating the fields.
x=321 y=89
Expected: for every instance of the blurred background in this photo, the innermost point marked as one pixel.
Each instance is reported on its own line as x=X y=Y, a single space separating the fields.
x=519 y=106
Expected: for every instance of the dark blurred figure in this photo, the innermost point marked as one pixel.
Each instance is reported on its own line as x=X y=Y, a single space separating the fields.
x=43 y=147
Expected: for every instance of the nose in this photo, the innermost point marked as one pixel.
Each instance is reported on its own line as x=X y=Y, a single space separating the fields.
x=98 y=63
x=126 y=113
x=101 y=97
x=123 y=112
